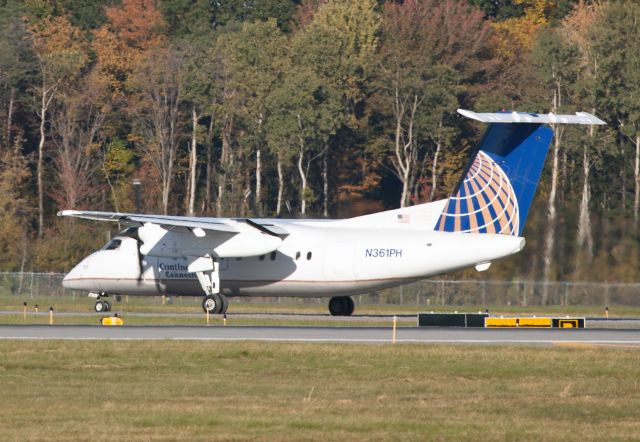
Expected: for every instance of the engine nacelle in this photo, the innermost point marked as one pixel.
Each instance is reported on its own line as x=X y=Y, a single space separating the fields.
x=157 y=241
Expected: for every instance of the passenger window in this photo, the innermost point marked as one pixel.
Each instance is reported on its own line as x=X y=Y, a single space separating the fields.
x=308 y=256
x=273 y=256
x=114 y=244
x=297 y=256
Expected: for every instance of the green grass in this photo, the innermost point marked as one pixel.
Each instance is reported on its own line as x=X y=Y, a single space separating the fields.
x=192 y=305
x=267 y=391
x=214 y=320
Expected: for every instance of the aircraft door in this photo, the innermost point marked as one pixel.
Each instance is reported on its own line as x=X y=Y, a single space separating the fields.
x=339 y=262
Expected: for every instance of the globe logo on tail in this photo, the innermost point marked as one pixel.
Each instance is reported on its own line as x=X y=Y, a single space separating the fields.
x=484 y=203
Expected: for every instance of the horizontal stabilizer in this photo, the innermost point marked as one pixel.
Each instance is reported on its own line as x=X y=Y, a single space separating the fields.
x=522 y=117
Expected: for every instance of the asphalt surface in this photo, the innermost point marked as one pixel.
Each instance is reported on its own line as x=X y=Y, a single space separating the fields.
x=327 y=334
x=383 y=319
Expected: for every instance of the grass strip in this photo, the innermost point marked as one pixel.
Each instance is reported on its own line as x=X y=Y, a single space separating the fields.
x=288 y=391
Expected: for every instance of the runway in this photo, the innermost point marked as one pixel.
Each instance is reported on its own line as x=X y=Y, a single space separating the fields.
x=327 y=334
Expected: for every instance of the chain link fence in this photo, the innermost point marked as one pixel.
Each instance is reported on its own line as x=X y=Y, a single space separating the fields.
x=427 y=292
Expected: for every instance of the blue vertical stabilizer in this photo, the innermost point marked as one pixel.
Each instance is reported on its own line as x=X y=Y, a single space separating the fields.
x=499 y=184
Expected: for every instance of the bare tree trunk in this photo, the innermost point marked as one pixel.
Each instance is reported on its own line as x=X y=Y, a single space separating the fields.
x=193 y=162
x=168 y=179
x=623 y=179
x=303 y=180
x=280 y=187
x=585 y=237
x=259 y=171
x=434 y=165
x=405 y=149
x=258 y=181
x=225 y=161
x=10 y=116
x=208 y=186
x=325 y=184
x=43 y=116
x=405 y=189
x=551 y=221
x=219 y=201
x=551 y=205
x=636 y=175
x=113 y=193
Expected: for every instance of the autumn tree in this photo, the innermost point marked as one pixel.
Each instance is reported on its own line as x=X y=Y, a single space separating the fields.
x=155 y=105
x=257 y=67
x=77 y=119
x=425 y=61
x=61 y=54
x=338 y=46
x=17 y=63
x=15 y=207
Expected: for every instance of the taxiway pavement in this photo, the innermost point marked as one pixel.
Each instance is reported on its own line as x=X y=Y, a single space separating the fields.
x=327 y=334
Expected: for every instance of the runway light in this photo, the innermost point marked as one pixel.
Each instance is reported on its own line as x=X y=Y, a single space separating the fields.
x=207 y=318
x=224 y=319
x=24 y=310
x=50 y=315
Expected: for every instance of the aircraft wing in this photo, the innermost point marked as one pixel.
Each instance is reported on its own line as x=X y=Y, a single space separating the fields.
x=521 y=117
x=229 y=225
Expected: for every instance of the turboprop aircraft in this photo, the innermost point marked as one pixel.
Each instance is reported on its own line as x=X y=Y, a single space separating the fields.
x=217 y=258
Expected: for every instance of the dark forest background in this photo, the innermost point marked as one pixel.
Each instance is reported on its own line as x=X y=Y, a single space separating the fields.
x=286 y=108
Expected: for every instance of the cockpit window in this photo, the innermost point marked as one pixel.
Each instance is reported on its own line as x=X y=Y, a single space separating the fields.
x=114 y=244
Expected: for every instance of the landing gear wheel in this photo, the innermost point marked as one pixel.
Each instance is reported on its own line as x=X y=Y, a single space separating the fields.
x=100 y=307
x=212 y=304
x=225 y=304
x=351 y=304
x=341 y=306
x=107 y=306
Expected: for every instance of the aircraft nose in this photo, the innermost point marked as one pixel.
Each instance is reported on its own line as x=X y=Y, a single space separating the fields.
x=72 y=279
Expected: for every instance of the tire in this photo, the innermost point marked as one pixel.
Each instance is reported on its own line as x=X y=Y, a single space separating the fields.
x=225 y=304
x=107 y=306
x=351 y=305
x=338 y=306
x=99 y=307
x=212 y=304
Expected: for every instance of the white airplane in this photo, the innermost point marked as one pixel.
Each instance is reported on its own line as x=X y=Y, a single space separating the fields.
x=218 y=258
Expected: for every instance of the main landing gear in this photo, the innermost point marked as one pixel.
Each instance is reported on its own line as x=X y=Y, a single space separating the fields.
x=341 y=306
x=215 y=304
x=102 y=306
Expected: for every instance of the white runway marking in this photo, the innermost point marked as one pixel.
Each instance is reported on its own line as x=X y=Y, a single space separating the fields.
x=364 y=335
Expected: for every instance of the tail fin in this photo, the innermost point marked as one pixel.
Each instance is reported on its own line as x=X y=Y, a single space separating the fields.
x=499 y=184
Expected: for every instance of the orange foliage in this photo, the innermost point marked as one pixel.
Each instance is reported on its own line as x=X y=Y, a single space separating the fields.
x=59 y=44
x=517 y=34
x=133 y=29
x=577 y=25
x=137 y=23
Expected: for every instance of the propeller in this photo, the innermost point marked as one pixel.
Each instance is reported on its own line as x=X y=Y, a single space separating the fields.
x=132 y=232
x=140 y=256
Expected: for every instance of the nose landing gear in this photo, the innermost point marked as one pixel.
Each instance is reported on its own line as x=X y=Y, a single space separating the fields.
x=341 y=306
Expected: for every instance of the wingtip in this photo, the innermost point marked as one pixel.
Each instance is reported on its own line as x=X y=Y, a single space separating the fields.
x=592 y=118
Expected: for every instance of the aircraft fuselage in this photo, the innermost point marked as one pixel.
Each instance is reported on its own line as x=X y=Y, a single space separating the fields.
x=316 y=259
